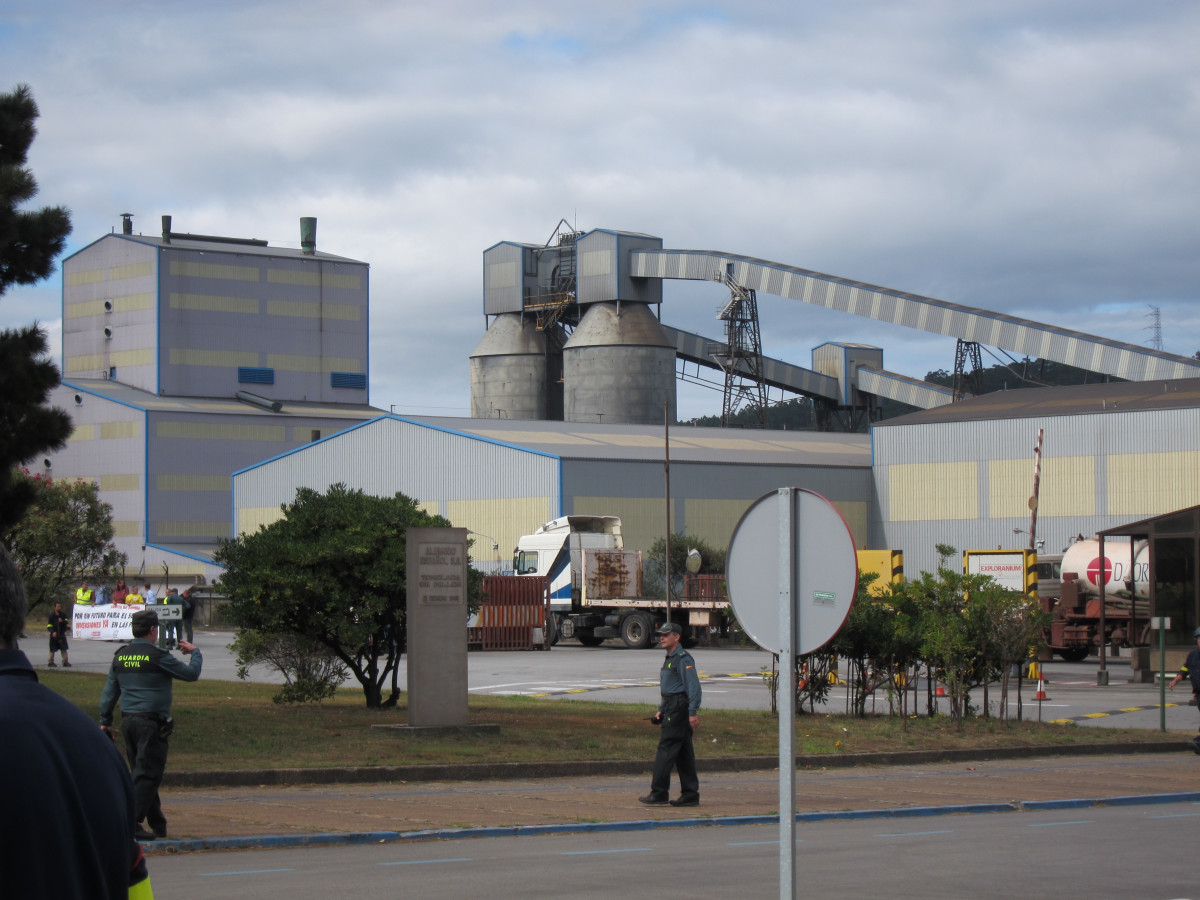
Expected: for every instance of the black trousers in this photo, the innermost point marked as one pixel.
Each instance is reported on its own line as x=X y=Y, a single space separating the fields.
x=147 y=752
x=675 y=751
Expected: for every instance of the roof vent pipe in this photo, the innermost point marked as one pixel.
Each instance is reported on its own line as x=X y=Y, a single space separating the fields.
x=256 y=400
x=308 y=235
x=166 y=220
x=126 y=223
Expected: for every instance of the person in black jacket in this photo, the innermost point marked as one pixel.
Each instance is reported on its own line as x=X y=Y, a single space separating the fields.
x=1191 y=670
x=58 y=626
x=140 y=677
x=679 y=715
x=68 y=816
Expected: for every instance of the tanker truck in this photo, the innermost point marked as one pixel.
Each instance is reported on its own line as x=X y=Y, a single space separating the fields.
x=596 y=584
x=1069 y=589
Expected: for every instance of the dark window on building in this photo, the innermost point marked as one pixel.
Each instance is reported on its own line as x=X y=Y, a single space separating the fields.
x=348 y=380
x=251 y=375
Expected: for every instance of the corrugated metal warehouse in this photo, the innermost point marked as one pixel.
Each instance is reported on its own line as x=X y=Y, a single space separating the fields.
x=963 y=474
x=503 y=478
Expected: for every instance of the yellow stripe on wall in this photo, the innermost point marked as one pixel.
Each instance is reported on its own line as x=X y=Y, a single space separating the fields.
x=221 y=432
x=1067 y=487
x=210 y=303
x=855 y=514
x=713 y=520
x=87 y=276
x=214 y=270
x=252 y=518
x=186 y=528
x=312 y=279
x=85 y=363
x=110 y=431
x=922 y=492
x=144 y=357
x=182 y=356
x=291 y=362
x=193 y=483
x=83 y=433
x=131 y=270
x=1150 y=484
x=503 y=520
x=641 y=517
x=341 y=311
x=125 y=528
x=120 y=482
x=127 y=303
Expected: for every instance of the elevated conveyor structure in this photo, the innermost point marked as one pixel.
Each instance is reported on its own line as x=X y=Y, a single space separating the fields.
x=1023 y=336
x=776 y=373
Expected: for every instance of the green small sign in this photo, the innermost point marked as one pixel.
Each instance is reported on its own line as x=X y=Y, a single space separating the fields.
x=825 y=598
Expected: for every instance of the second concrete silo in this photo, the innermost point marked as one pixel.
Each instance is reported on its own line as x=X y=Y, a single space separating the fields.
x=508 y=371
x=619 y=367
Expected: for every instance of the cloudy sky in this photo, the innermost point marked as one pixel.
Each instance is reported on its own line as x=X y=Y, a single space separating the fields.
x=1034 y=157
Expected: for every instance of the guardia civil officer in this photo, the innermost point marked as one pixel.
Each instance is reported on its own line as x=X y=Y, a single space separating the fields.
x=1191 y=670
x=679 y=715
x=140 y=677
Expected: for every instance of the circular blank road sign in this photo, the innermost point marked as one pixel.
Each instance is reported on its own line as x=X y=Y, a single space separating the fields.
x=823 y=562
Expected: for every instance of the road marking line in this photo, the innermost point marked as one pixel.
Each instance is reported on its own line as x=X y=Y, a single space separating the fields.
x=593 y=852
x=421 y=862
x=247 y=872
x=1056 y=824
x=912 y=833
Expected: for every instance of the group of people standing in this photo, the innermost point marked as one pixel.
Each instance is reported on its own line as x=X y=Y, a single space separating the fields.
x=173 y=631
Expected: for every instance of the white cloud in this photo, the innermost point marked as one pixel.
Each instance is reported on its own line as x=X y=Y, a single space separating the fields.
x=1029 y=157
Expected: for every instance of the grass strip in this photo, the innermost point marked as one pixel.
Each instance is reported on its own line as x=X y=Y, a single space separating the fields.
x=223 y=725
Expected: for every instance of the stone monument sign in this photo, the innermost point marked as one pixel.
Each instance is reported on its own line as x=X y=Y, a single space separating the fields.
x=437 y=627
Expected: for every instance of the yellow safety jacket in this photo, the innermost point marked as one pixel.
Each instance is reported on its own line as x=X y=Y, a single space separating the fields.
x=83 y=597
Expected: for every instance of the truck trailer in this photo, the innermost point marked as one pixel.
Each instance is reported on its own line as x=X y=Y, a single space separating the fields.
x=596 y=585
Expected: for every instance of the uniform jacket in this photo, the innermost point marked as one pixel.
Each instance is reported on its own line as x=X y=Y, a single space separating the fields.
x=678 y=676
x=141 y=677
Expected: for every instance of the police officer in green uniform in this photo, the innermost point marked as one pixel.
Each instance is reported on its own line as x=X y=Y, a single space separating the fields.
x=140 y=677
x=679 y=715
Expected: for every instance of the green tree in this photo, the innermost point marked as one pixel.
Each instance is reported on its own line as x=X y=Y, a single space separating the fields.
x=332 y=572
x=712 y=562
x=65 y=534
x=30 y=240
x=28 y=426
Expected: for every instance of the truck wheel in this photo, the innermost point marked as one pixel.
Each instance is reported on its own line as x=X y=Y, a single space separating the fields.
x=1074 y=654
x=637 y=630
x=552 y=628
x=587 y=638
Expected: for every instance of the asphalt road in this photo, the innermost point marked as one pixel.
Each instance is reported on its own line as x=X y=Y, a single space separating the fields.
x=1102 y=853
x=731 y=680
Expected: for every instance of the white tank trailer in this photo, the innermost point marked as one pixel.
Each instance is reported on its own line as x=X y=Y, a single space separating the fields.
x=1069 y=589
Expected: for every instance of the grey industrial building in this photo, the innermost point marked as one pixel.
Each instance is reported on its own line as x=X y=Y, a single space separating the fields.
x=502 y=478
x=188 y=356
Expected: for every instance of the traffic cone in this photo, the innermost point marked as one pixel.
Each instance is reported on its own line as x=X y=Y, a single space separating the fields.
x=1041 y=691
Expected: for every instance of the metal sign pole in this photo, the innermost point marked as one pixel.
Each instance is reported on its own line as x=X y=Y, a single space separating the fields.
x=786 y=690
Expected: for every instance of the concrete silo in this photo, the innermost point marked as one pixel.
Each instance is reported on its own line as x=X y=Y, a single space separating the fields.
x=508 y=371
x=619 y=367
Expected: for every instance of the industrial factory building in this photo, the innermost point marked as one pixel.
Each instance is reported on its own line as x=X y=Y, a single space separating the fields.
x=188 y=356
x=1111 y=454
x=199 y=366
x=502 y=479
